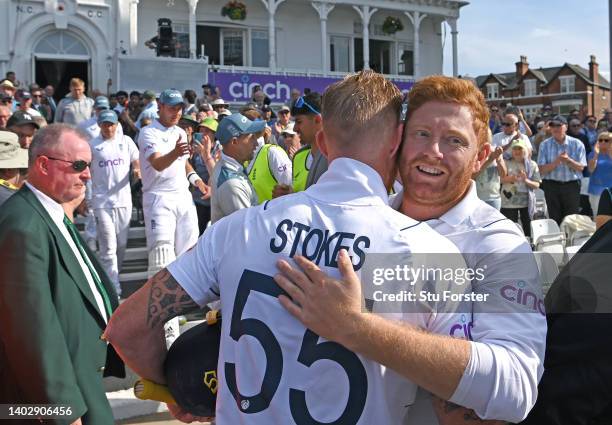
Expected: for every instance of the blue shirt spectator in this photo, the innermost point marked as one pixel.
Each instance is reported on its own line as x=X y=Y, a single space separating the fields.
x=550 y=149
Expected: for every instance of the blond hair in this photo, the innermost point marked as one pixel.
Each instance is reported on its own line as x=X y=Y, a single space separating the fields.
x=77 y=82
x=360 y=106
x=452 y=90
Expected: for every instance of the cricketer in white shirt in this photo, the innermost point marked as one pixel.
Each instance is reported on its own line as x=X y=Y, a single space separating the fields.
x=111 y=199
x=170 y=214
x=508 y=332
x=272 y=370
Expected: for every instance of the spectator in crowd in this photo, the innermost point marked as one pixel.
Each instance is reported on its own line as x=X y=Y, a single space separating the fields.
x=522 y=177
x=495 y=119
x=590 y=129
x=76 y=106
x=260 y=98
x=112 y=155
x=574 y=129
x=231 y=187
x=49 y=92
x=522 y=125
x=13 y=158
x=291 y=141
x=203 y=162
x=561 y=160
x=445 y=142
x=56 y=356
x=282 y=122
x=8 y=89
x=5 y=114
x=542 y=133
x=510 y=132
x=112 y=100
x=488 y=178
x=190 y=103
x=150 y=106
x=122 y=102
x=600 y=167
x=219 y=106
x=25 y=104
x=189 y=126
x=10 y=75
x=24 y=126
x=206 y=95
x=267 y=115
x=130 y=114
x=604 y=209
x=39 y=106
x=293 y=97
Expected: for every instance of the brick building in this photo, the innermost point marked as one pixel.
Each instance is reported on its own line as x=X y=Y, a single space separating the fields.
x=565 y=88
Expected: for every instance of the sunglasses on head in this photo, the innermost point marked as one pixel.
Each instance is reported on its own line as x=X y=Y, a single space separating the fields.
x=300 y=103
x=78 y=165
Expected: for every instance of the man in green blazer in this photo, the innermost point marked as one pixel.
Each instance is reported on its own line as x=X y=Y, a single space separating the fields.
x=55 y=298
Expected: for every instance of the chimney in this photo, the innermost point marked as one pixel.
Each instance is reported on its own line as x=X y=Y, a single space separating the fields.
x=522 y=67
x=594 y=70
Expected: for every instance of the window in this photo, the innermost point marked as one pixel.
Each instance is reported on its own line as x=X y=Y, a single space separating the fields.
x=530 y=87
x=568 y=84
x=233 y=47
x=259 y=48
x=181 y=32
x=61 y=43
x=406 y=60
x=492 y=91
x=530 y=111
x=339 y=54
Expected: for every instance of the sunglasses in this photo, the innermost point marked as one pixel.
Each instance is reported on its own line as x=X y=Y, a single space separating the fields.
x=78 y=165
x=575 y=125
x=507 y=124
x=591 y=121
x=300 y=103
x=555 y=124
x=494 y=110
x=604 y=140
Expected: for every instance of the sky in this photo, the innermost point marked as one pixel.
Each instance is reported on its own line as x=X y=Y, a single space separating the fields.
x=493 y=34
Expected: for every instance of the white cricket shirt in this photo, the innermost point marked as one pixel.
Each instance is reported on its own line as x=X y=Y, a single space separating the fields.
x=271 y=369
x=110 y=171
x=157 y=138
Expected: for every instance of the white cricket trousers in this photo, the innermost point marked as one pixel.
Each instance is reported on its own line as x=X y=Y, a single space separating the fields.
x=170 y=218
x=113 y=226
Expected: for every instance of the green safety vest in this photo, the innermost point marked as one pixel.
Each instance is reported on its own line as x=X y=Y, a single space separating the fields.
x=300 y=170
x=261 y=176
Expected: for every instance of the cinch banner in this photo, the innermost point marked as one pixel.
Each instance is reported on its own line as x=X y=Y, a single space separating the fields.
x=237 y=87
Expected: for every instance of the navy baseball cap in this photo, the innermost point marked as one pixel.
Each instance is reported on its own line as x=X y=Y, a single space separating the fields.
x=171 y=97
x=107 y=116
x=559 y=119
x=101 y=102
x=236 y=125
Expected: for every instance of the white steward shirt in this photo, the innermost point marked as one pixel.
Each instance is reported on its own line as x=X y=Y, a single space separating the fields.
x=110 y=171
x=234 y=261
x=280 y=164
x=157 y=138
x=508 y=332
x=56 y=212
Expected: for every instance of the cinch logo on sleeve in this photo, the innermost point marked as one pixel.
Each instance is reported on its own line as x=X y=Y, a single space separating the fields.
x=517 y=294
x=462 y=330
x=111 y=162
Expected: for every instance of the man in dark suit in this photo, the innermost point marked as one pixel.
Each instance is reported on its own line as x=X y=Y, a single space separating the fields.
x=55 y=298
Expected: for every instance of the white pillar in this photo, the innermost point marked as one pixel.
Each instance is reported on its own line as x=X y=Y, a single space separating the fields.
x=453 y=24
x=271 y=5
x=323 y=9
x=365 y=13
x=133 y=25
x=192 y=28
x=416 y=18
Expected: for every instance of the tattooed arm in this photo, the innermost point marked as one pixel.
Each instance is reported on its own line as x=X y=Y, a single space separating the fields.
x=136 y=329
x=451 y=414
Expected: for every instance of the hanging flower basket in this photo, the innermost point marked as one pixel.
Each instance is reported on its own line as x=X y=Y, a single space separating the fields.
x=391 y=25
x=235 y=10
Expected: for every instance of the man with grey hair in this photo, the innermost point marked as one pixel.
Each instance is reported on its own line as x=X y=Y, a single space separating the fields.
x=56 y=356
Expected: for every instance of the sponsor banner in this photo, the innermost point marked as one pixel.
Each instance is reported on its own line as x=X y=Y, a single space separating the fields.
x=237 y=87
